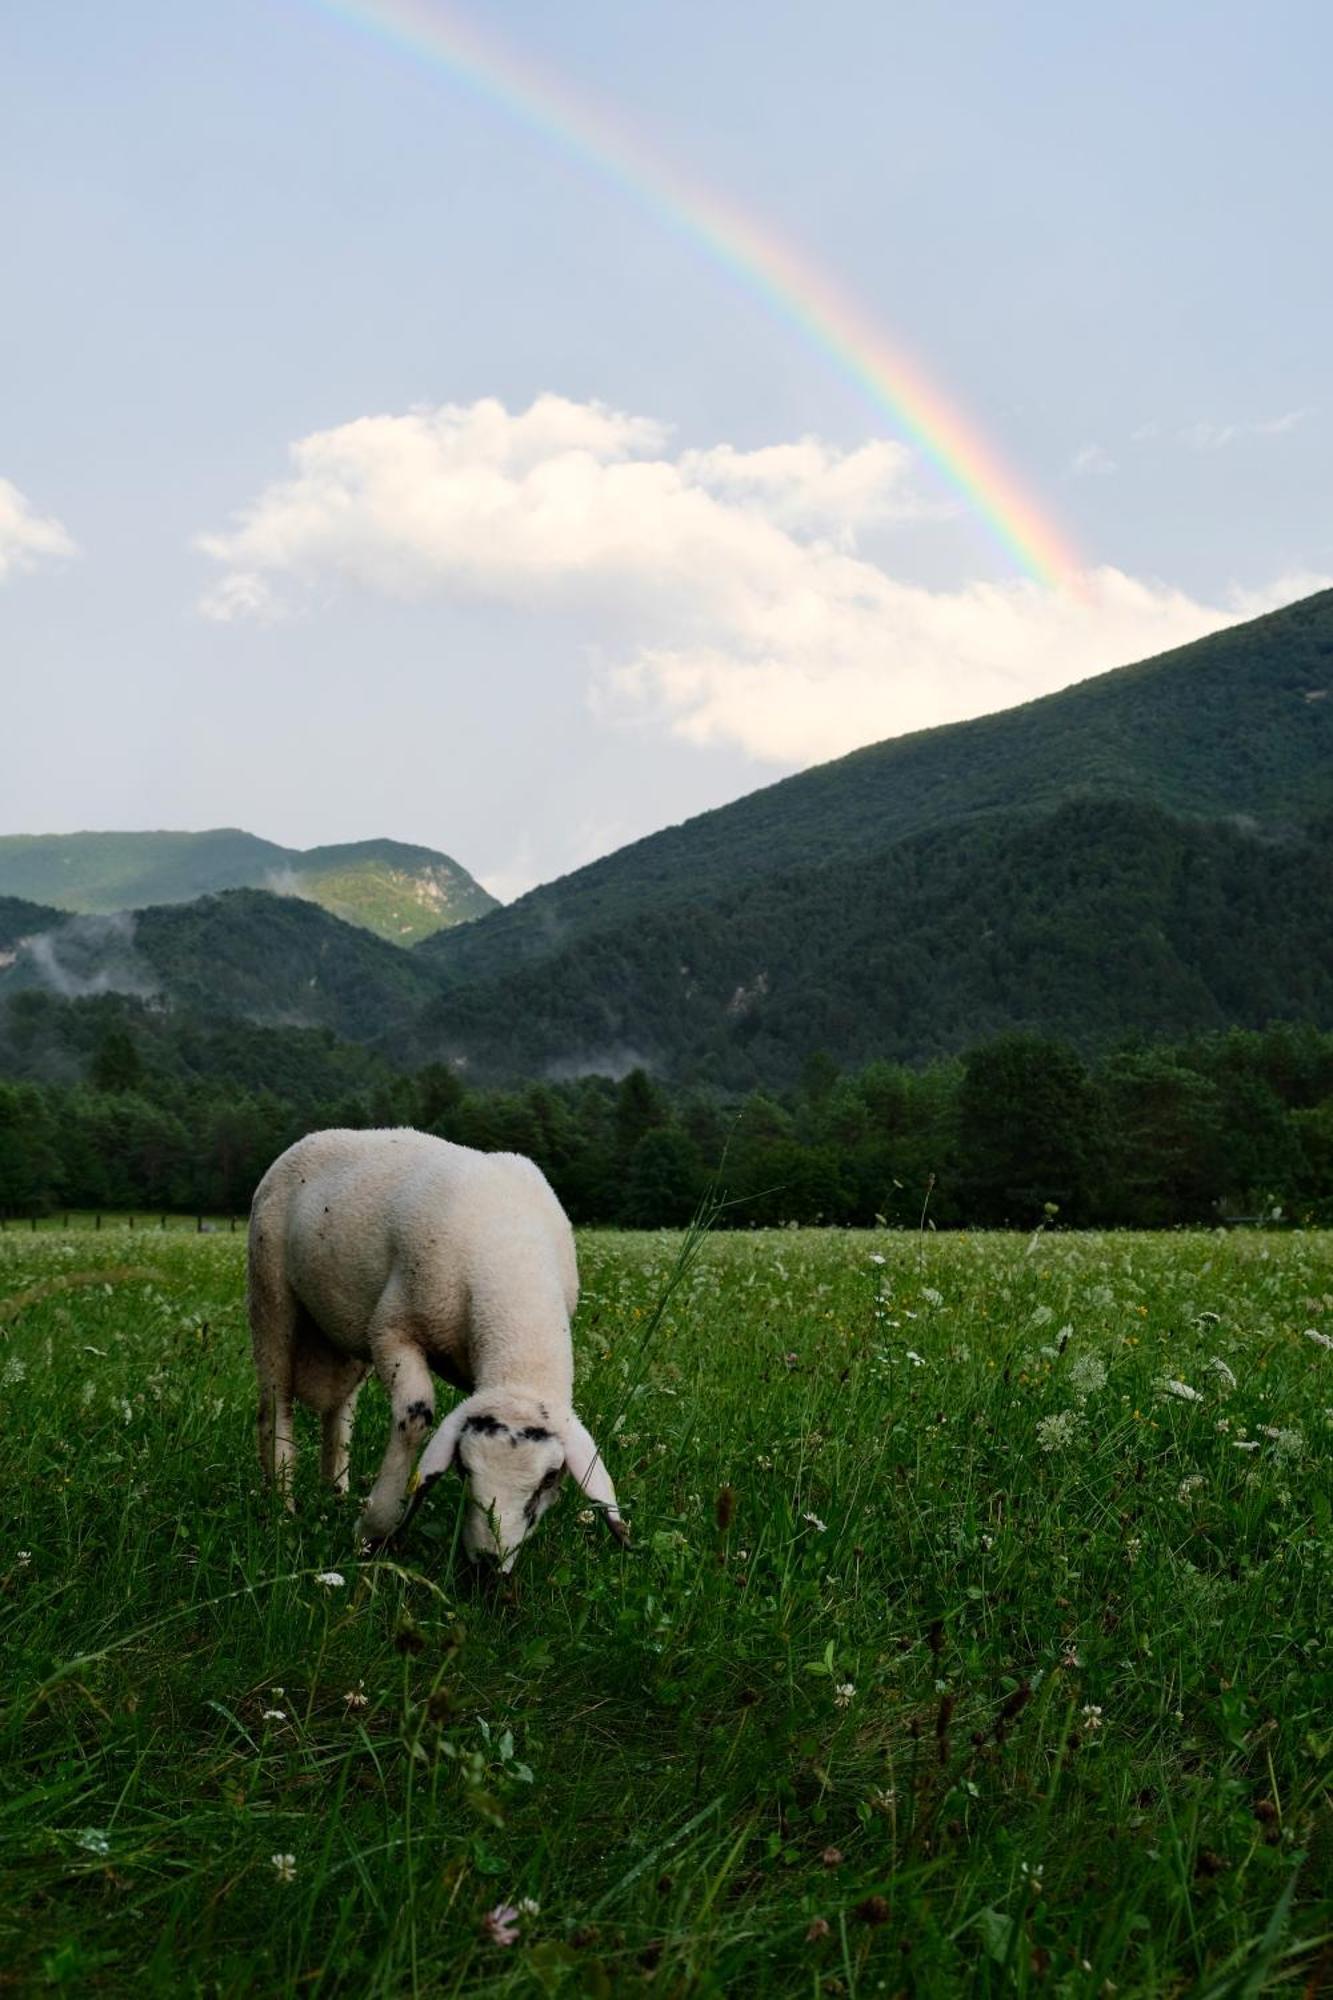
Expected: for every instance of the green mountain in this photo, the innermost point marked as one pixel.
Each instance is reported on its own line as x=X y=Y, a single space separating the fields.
x=1148 y=851
x=1240 y=724
x=400 y=892
x=275 y=961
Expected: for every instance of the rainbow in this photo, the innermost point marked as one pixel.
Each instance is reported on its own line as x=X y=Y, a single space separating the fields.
x=786 y=283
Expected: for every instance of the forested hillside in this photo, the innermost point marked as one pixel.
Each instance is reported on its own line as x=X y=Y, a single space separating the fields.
x=272 y=960
x=403 y=893
x=1238 y=726
x=1099 y=919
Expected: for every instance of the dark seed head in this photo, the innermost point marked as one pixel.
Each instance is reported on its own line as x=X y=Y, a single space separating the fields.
x=725 y=1509
x=874 y=1910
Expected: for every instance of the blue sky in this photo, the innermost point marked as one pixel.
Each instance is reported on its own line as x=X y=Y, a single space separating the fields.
x=528 y=639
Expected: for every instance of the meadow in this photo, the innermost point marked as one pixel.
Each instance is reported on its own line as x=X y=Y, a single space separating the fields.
x=976 y=1637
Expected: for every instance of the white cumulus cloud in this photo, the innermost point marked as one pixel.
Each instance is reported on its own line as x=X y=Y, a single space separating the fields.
x=729 y=590
x=27 y=537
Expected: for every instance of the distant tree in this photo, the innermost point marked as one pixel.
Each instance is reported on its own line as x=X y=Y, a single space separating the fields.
x=1030 y=1130
x=664 y=1181
x=640 y=1106
x=116 y=1063
x=439 y=1092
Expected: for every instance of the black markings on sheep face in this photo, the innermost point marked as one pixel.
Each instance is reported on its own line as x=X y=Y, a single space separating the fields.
x=484 y=1422
x=512 y=1472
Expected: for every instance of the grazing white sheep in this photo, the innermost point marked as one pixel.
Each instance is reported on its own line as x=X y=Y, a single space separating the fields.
x=401 y=1252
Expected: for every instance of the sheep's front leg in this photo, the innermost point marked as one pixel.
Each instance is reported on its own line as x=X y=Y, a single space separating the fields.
x=402 y=1368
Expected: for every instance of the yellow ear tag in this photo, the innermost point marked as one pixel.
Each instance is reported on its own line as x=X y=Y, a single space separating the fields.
x=413 y=1482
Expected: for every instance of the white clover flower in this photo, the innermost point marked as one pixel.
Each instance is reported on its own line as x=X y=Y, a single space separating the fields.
x=1058 y=1430
x=357 y=1697
x=1092 y=1717
x=274 y=1715
x=1324 y=1339
x=931 y=1296
x=528 y=1906
x=1219 y=1367
x=844 y=1694
x=585 y=1517
x=1247 y=1444
x=25 y=1557
x=284 y=1866
x=1170 y=1387
x=815 y=1522
x=875 y=1258
x=1189 y=1486
x=1133 y=1549
x=13 y=1371
x=332 y=1579
x=93 y=1841
x=917 y=1360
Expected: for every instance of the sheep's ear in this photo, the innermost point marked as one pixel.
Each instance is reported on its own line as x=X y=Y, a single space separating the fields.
x=439 y=1453
x=584 y=1464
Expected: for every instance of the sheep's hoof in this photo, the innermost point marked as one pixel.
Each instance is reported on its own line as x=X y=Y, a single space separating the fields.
x=620 y=1529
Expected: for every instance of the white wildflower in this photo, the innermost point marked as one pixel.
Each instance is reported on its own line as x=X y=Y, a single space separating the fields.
x=843 y=1694
x=1324 y=1339
x=1190 y=1486
x=25 y=1557
x=284 y=1866
x=1170 y=1387
x=917 y=1360
x=1087 y=1374
x=1057 y=1430
x=1042 y=1315
x=931 y=1296
x=13 y=1371
x=357 y=1697
x=528 y=1906
x=1219 y=1367
x=1289 y=1444
x=1133 y=1549
x=93 y=1841
x=274 y=1715
x=875 y=1258
x=1092 y=1717
x=815 y=1522
x=585 y=1517
x=332 y=1579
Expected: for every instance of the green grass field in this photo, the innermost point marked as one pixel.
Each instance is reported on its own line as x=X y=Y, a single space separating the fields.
x=957 y=1652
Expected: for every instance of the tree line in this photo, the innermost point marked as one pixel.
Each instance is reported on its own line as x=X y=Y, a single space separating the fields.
x=1023 y=1128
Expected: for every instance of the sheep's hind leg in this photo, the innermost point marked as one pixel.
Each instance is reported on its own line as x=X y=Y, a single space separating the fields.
x=335 y=1444
x=327 y=1381
x=273 y=1317
x=402 y=1368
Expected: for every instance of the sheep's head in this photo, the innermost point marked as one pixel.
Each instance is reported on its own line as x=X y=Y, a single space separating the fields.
x=513 y=1454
